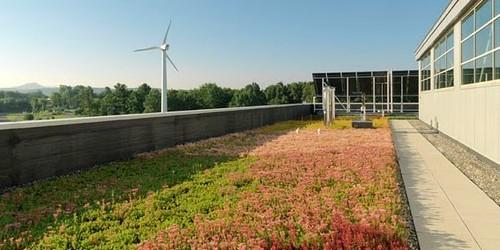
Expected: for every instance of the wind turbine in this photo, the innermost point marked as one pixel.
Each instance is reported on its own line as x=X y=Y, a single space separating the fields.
x=164 y=46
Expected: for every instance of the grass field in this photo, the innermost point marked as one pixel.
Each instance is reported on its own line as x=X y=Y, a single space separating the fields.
x=288 y=185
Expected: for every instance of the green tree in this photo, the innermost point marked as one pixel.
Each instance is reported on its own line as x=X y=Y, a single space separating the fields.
x=250 y=95
x=76 y=95
x=212 y=96
x=66 y=93
x=136 y=99
x=56 y=100
x=106 y=105
x=39 y=104
x=11 y=101
x=85 y=101
x=35 y=105
x=230 y=93
x=277 y=94
x=120 y=97
x=143 y=91
x=308 y=92
x=153 y=101
x=183 y=100
x=44 y=104
x=134 y=103
x=295 y=92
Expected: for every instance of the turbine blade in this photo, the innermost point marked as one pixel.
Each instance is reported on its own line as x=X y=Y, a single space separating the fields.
x=166 y=33
x=168 y=57
x=149 y=48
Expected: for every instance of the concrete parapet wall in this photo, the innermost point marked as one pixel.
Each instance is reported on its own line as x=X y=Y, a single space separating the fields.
x=37 y=150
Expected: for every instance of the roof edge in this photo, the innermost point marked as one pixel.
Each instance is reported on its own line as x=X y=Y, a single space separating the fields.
x=453 y=11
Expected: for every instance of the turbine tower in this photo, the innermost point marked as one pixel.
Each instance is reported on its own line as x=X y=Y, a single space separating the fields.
x=164 y=46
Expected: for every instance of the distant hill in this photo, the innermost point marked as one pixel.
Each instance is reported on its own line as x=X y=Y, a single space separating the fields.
x=32 y=87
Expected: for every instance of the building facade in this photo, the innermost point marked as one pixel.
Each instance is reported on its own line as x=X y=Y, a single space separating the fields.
x=387 y=91
x=459 y=75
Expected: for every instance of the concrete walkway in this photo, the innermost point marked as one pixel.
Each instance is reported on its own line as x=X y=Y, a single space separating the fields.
x=449 y=211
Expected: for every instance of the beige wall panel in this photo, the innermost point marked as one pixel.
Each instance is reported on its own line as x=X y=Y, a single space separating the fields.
x=469 y=115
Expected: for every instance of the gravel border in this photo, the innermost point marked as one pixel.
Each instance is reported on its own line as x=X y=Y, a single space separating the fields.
x=483 y=172
x=406 y=211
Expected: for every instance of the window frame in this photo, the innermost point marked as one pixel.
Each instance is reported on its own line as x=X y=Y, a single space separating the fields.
x=473 y=36
x=426 y=82
x=440 y=74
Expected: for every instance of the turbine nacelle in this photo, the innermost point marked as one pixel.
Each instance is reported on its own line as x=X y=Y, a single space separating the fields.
x=165 y=47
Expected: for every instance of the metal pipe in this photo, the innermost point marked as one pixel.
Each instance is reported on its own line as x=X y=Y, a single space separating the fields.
x=374 y=95
x=402 y=95
x=349 y=96
x=387 y=91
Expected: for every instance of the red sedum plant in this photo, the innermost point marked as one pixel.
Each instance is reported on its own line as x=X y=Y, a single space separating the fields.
x=332 y=190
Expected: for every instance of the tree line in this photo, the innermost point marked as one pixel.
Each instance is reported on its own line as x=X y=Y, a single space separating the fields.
x=84 y=101
x=14 y=102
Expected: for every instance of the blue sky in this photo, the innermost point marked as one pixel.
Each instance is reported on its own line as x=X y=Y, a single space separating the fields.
x=230 y=42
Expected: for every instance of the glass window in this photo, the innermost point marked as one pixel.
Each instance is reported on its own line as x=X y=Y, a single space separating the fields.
x=442 y=46
x=450 y=78
x=468 y=26
x=449 y=41
x=442 y=64
x=484 y=40
x=468 y=73
x=437 y=51
x=483 y=13
x=425 y=84
x=427 y=60
x=449 y=60
x=426 y=73
x=497 y=64
x=497 y=7
x=468 y=49
x=497 y=31
x=442 y=80
x=484 y=69
x=440 y=49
